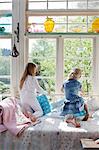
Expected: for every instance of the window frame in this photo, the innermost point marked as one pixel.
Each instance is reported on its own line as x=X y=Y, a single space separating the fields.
x=6 y=35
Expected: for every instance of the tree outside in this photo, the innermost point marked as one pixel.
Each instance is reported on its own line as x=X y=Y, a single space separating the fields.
x=4 y=73
x=77 y=53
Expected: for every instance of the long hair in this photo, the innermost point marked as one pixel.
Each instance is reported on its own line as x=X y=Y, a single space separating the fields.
x=74 y=74
x=29 y=70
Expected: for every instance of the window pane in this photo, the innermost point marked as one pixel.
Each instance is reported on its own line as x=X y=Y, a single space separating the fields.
x=35 y=24
x=77 y=19
x=37 y=5
x=59 y=19
x=48 y=84
x=92 y=18
x=77 y=27
x=5 y=66
x=77 y=23
x=57 y=5
x=43 y=53
x=81 y=50
x=77 y=4
x=60 y=28
x=6 y=5
x=93 y=4
x=90 y=21
x=6 y=23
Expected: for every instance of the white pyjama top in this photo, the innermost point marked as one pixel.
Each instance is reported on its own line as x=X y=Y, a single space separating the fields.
x=28 y=95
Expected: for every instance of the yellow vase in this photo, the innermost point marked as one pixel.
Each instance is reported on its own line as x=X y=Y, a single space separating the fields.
x=95 y=25
x=49 y=25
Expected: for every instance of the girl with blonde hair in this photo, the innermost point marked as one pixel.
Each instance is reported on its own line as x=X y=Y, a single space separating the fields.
x=29 y=87
x=75 y=104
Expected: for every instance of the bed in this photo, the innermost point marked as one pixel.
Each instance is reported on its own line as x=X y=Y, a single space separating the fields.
x=52 y=133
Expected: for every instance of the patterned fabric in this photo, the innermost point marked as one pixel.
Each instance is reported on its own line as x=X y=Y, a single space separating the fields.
x=75 y=104
x=51 y=134
x=44 y=103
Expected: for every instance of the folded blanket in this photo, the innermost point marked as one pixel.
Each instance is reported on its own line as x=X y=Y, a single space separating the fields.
x=11 y=117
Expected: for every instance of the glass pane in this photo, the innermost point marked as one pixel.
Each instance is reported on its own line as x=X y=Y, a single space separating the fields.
x=92 y=18
x=77 y=4
x=78 y=53
x=5 y=66
x=37 y=0
x=39 y=49
x=77 y=27
x=6 y=5
x=35 y=28
x=77 y=23
x=48 y=84
x=60 y=28
x=6 y=23
x=37 y=5
x=43 y=53
x=59 y=19
x=35 y=24
x=5 y=1
x=77 y=19
x=93 y=4
x=36 y=19
x=90 y=21
x=57 y=5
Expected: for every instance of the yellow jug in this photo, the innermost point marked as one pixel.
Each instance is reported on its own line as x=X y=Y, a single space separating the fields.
x=95 y=25
x=49 y=25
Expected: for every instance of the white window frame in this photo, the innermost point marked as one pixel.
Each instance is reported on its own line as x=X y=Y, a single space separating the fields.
x=20 y=14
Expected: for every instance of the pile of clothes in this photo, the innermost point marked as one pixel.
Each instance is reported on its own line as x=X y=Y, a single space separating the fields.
x=12 y=118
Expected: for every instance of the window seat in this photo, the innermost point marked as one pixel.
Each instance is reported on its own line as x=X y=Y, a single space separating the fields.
x=52 y=133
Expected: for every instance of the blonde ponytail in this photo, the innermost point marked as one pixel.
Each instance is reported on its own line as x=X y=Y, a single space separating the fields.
x=74 y=74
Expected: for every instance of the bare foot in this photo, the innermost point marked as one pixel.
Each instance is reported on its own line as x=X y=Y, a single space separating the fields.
x=74 y=122
x=97 y=141
x=86 y=117
x=33 y=119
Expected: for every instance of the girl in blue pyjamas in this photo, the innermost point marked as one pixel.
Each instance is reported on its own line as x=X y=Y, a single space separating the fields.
x=75 y=103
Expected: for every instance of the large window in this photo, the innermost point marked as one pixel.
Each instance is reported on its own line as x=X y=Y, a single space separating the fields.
x=78 y=52
x=71 y=17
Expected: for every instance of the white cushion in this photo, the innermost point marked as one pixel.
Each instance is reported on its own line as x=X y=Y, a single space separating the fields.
x=96 y=114
x=93 y=104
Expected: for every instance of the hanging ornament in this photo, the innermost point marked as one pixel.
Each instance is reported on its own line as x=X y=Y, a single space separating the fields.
x=49 y=24
x=15 y=52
